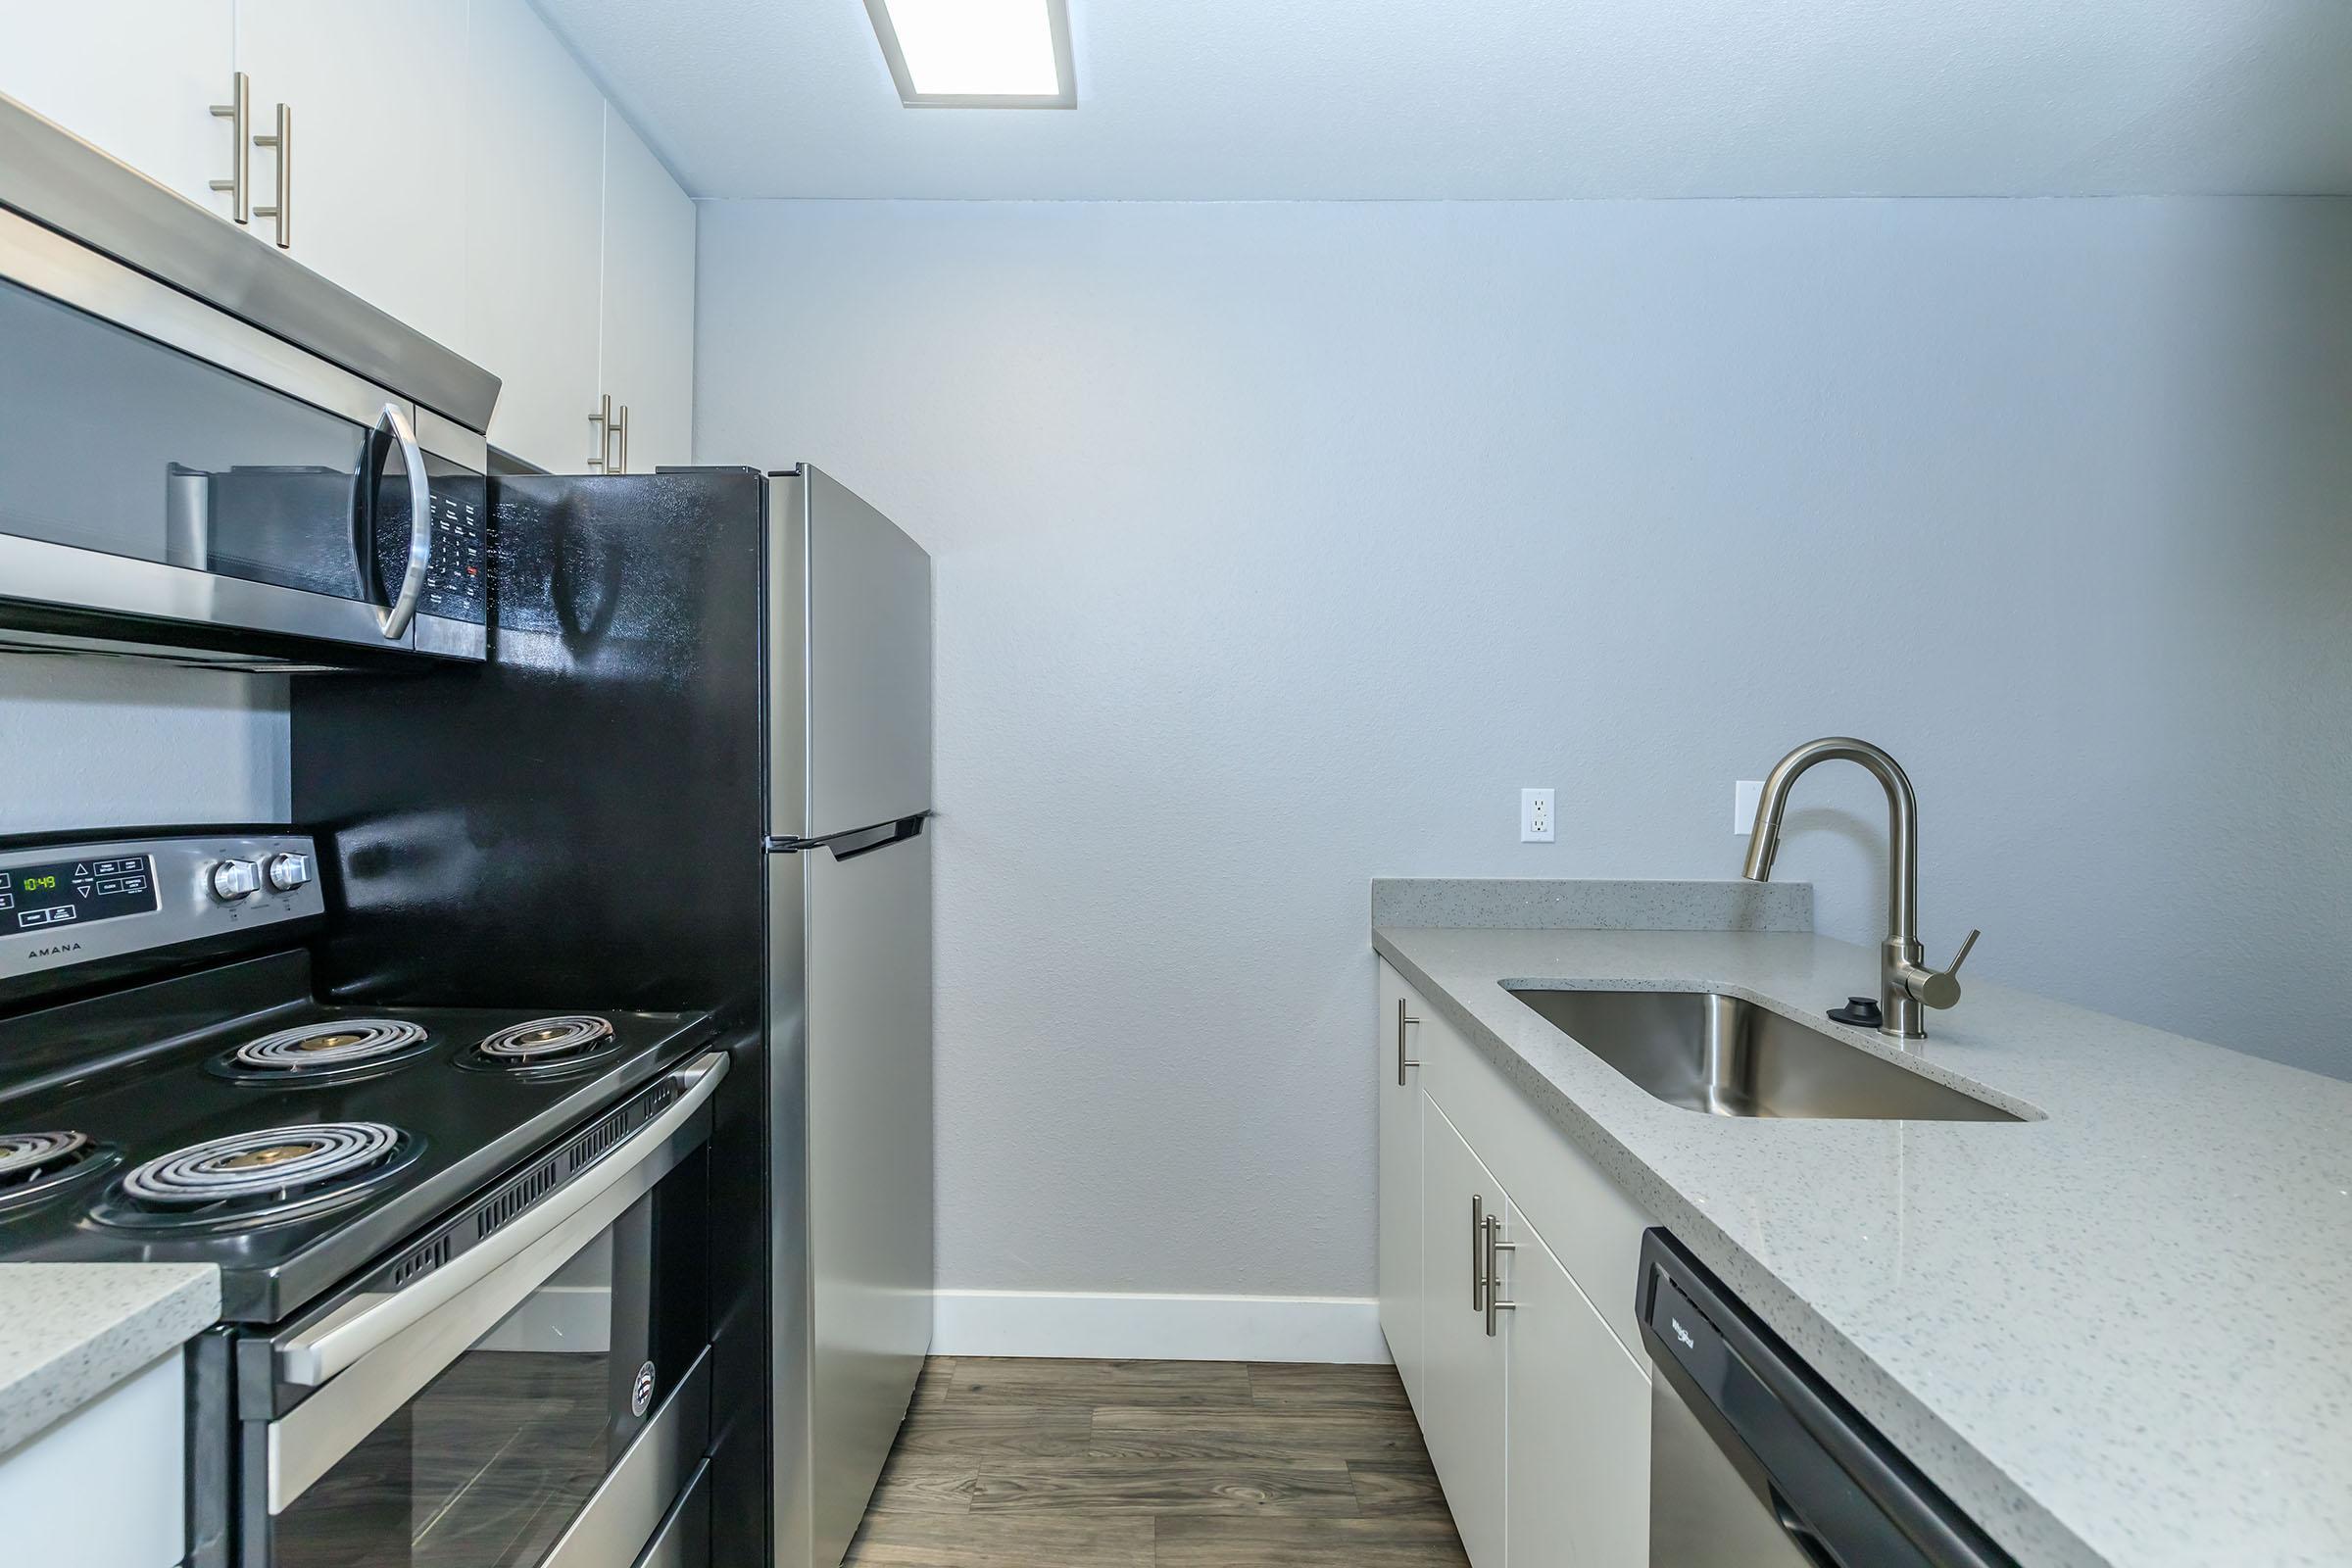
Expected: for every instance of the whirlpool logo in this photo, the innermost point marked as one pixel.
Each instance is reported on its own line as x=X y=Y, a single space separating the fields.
x=641 y=1392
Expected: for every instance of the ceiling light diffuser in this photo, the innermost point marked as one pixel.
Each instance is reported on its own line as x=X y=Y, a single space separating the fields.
x=977 y=54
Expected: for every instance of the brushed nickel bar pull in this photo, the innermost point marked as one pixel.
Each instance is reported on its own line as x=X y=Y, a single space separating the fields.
x=1478 y=1227
x=238 y=112
x=1495 y=1244
x=621 y=427
x=601 y=423
x=283 y=209
x=1401 y=1063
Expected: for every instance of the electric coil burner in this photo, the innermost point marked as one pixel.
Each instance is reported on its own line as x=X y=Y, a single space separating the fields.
x=260 y=1178
x=544 y=1044
x=342 y=1047
x=32 y=1163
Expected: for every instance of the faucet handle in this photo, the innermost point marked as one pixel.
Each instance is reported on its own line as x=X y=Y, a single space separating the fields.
x=1940 y=988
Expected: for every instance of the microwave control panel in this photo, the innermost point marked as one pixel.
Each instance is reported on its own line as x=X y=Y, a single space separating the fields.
x=457 y=584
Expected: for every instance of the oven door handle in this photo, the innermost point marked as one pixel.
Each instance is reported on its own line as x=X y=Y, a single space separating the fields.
x=391 y=1347
x=370 y=1320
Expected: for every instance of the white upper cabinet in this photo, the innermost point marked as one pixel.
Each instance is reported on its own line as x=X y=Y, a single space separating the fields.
x=377 y=147
x=647 y=334
x=533 y=221
x=447 y=160
x=138 y=77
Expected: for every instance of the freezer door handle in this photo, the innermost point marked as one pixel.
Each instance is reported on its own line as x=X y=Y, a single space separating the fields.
x=852 y=842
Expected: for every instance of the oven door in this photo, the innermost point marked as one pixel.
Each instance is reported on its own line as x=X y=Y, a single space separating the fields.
x=528 y=1384
x=174 y=480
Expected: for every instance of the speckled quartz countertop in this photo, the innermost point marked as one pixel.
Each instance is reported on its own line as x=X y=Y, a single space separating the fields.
x=70 y=1331
x=2118 y=1335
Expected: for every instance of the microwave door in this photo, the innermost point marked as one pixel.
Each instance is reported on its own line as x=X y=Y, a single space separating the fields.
x=293 y=527
x=362 y=533
x=152 y=499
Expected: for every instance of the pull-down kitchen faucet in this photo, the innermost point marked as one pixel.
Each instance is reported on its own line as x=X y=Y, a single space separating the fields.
x=1905 y=984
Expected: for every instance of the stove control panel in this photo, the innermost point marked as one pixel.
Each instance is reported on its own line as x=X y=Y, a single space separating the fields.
x=77 y=892
x=69 y=902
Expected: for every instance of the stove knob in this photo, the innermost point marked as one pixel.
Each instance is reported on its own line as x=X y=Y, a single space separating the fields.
x=235 y=879
x=289 y=871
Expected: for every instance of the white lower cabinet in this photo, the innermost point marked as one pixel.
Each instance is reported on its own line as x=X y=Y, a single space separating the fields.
x=1397 y=1080
x=1577 y=1486
x=1462 y=1370
x=107 y=1486
x=1540 y=1431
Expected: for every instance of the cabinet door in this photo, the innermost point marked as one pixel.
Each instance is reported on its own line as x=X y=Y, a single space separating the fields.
x=379 y=147
x=1578 y=1487
x=1400 y=1177
x=138 y=77
x=534 y=219
x=648 y=337
x=1462 y=1370
x=107 y=1486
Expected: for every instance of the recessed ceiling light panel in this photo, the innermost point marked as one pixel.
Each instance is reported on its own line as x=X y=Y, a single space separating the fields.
x=977 y=54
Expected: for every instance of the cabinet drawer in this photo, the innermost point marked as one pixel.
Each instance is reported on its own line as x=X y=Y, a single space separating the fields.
x=1591 y=1224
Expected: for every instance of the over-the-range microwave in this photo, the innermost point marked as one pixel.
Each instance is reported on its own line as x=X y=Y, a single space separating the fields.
x=211 y=454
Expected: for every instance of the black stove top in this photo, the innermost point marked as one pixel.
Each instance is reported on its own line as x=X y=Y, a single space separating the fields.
x=226 y=1117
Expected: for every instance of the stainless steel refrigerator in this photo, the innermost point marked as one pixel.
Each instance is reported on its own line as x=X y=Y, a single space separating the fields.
x=694 y=773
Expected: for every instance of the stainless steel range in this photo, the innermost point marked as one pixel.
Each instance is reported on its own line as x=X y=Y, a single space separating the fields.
x=463 y=1251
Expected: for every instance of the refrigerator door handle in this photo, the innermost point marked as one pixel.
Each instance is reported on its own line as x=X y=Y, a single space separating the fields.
x=852 y=841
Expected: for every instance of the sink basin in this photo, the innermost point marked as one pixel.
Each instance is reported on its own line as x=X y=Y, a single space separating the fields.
x=1729 y=1057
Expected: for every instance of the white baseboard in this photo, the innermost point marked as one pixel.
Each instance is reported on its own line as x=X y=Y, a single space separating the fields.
x=1157 y=1328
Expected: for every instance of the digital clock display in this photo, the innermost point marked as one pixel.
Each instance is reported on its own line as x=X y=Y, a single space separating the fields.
x=77 y=892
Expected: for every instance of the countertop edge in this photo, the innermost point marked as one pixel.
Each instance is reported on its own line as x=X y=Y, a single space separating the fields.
x=117 y=1320
x=1995 y=1500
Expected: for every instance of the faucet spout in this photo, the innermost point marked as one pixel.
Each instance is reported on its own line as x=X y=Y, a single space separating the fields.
x=1902 y=821
x=1906 y=986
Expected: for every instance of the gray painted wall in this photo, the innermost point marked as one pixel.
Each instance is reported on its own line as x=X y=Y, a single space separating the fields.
x=96 y=742
x=1278 y=545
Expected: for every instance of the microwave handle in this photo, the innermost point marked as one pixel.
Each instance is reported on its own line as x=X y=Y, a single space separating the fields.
x=395 y=620
x=367 y=1321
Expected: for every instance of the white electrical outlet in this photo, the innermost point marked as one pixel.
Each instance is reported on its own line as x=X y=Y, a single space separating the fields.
x=1535 y=816
x=1747 y=795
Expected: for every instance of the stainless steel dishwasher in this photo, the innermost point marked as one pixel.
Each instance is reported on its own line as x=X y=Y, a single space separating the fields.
x=1754 y=1462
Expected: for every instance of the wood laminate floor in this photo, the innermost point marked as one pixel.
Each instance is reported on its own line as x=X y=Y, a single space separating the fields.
x=1156 y=1465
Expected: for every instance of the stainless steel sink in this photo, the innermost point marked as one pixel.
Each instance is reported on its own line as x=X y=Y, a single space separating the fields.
x=1729 y=1057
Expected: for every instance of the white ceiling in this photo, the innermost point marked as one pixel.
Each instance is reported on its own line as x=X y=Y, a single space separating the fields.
x=1238 y=99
